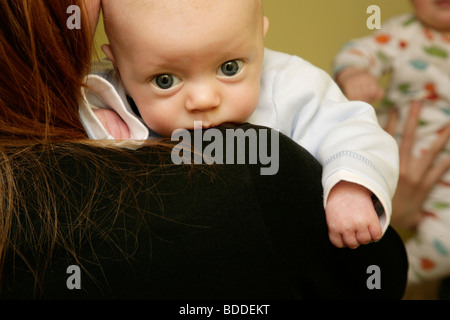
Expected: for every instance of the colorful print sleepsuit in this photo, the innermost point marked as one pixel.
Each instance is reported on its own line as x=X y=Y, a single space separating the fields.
x=417 y=60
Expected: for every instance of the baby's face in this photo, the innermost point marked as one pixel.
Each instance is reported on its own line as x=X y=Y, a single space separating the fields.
x=188 y=60
x=433 y=13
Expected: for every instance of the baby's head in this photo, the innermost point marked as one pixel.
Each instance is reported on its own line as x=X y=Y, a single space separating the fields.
x=188 y=60
x=434 y=14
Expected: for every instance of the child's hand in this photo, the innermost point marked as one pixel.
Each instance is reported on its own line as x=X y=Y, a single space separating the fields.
x=113 y=123
x=351 y=216
x=359 y=84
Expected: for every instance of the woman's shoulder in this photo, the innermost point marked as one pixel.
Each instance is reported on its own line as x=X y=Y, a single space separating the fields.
x=143 y=212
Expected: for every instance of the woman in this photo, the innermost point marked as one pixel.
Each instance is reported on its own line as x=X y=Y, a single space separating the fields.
x=80 y=220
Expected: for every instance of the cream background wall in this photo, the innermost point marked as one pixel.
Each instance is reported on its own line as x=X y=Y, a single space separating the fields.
x=315 y=29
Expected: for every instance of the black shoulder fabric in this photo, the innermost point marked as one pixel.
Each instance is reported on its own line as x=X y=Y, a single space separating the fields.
x=147 y=229
x=150 y=229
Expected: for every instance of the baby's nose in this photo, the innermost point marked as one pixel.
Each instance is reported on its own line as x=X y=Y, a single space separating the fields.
x=203 y=97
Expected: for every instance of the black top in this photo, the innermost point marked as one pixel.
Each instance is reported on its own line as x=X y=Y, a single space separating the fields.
x=196 y=232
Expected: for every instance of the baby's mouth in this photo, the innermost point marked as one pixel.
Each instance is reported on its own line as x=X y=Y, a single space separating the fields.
x=201 y=124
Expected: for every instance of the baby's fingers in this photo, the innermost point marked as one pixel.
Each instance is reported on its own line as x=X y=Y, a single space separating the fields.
x=336 y=239
x=350 y=239
x=353 y=239
x=375 y=231
x=364 y=236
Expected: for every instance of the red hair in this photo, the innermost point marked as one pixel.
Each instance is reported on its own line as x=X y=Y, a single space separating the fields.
x=43 y=66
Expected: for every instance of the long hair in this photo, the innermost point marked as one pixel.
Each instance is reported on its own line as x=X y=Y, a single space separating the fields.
x=43 y=64
x=42 y=70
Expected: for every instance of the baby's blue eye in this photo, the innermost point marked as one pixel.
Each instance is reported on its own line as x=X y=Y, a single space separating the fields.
x=231 y=68
x=164 y=81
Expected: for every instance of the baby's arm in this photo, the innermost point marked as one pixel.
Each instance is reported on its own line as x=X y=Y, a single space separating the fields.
x=351 y=216
x=344 y=136
x=113 y=123
x=359 y=84
x=361 y=62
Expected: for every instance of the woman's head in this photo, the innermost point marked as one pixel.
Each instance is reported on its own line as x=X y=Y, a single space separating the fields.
x=43 y=66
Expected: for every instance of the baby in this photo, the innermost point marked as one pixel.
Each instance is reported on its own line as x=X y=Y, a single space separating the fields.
x=414 y=49
x=181 y=61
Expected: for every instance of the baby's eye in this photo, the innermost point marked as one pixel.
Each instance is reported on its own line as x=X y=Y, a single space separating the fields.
x=230 y=68
x=165 y=81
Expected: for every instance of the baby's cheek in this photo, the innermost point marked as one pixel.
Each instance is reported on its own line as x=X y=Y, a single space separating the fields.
x=158 y=123
x=164 y=129
x=247 y=103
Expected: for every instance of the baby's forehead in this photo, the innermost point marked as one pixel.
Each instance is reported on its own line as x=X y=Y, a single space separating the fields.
x=122 y=16
x=116 y=8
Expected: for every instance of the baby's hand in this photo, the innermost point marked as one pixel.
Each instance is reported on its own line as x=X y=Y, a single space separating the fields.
x=351 y=216
x=113 y=123
x=359 y=84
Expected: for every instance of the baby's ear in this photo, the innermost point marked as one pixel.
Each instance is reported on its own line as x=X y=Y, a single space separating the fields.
x=106 y=48
x=266 y=25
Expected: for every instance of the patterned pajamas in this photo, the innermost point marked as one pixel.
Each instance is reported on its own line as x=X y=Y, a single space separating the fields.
x=418 y=63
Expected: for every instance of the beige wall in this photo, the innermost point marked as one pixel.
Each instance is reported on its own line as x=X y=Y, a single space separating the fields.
x=315 y=29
